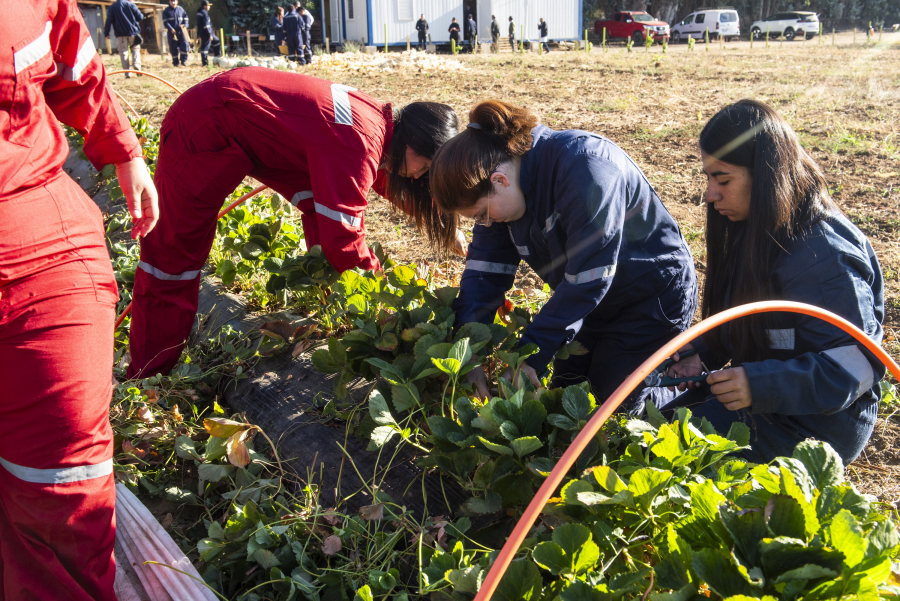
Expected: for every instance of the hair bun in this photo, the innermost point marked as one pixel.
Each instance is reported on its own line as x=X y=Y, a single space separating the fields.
x=512 y=124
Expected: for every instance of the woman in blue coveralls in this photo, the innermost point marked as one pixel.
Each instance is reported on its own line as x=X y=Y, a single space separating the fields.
x=578 y=210
x=772 y=232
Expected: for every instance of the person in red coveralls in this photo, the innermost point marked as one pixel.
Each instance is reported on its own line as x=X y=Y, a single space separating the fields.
x=320 y=144
x=57 y=306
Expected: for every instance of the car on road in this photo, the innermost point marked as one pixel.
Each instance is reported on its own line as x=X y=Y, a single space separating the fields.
x=633 y=24
x=788 y=24
x=720 y=22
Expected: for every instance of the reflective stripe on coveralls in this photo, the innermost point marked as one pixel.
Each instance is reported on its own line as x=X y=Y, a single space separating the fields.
x=62 y=475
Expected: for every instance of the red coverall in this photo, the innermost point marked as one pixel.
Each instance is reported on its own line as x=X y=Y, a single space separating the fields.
x=316 y=143
x=57 y=306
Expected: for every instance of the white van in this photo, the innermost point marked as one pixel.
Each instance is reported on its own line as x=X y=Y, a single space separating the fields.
x=720 y=22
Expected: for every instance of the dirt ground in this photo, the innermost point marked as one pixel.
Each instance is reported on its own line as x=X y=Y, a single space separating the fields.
x=842 y=100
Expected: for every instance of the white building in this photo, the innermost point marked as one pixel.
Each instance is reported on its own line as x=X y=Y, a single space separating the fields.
x=365 y=20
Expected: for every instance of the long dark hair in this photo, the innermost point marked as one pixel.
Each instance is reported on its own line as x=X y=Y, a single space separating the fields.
x=788 y=196
x=460 y=173
x=424 y=127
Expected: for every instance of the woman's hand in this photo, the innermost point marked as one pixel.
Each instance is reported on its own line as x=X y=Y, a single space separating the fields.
x=528 y=371
x=137 y=185
x=684 y=368
x=460 y=245
x=731 y=387
x=478 y=379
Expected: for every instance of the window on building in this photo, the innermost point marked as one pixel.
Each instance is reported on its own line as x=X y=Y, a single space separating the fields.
x=404 y=10
x=349 y=9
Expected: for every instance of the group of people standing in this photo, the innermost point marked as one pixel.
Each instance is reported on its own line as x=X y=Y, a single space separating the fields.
x=470 y=30
x=571 y=204
x=294 y=29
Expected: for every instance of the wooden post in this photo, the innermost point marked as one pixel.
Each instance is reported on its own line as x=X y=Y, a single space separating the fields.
x=522 y=39
x=880 y=31
x=706 y=35
x=854 y=36
x=585 y=41
x=832 y=36
x=603 y=43
x=751 y=39
x=767 y=36
x=820 y=33
x=103 y=18
x=249 y=52
x=222 y=41
x=385 y=38
x=407 y=43
x=327 y=46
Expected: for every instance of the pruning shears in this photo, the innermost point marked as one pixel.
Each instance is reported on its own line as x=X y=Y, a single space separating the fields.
x=659 y=379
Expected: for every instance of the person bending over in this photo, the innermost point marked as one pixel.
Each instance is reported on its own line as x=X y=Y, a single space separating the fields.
x=319 y=144
x=579 y=211
x=773 y=233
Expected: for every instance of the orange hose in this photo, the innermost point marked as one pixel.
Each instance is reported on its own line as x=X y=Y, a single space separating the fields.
x=593 y=426
x=128 y=104
x=145 y=74
x=222 y=213
x=241 y=200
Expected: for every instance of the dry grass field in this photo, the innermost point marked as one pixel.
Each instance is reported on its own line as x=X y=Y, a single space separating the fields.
x=843 y=100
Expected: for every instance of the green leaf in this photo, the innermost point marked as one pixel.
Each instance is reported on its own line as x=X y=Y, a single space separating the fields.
x=380 y=436
x=525 y=445
x=497 y=448
x=782 y=554
x=747 y=528
x=491 y=503
x=848 y=538
x=450 y=367
x=835 y=498
x=184 y=448
x=227 y=271
x=716 y=568
x=807 y=572
x=571 y=490
x=739 y=433
x=822 y=463
x=364 y=593
x=577 y=403
x=580 y=590
x=465 y=580
x=551 y=557
x=668 y=444
x=388 y=342
x=215 y=448
x=378 y=409
x=607 y=478
x=581 y=552
x=561 y=421
x=532 y=415
x=446 y=295
x=883 y=538
x=784 y=517
x=646 y=483
x=323 y=362
x=214 y=472
x=521 y=582
x=461 y=351
x=182 y=496
x=403 y=399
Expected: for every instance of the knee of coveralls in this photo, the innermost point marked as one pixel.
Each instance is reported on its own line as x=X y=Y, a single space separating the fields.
x=310 y=222
x=56 y=540
x=56 y=317
x=199 y=166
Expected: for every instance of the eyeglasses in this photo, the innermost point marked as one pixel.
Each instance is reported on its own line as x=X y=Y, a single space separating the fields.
x=486 y=221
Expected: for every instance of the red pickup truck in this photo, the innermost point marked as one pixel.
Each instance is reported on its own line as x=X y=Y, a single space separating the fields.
x=636 y=25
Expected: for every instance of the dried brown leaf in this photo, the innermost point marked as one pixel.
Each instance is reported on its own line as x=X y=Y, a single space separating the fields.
x=332 y=545
x=167 y=521
x=236 y=447
x=152 y=395
x=301 y=347
x=145 y=415
x=372 y=512
x=280 y=330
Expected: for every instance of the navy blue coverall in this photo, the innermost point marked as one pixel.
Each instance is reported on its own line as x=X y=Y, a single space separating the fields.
x=124 y=17
x=306 y=23
x=422 y=30
x=595 y=231
x=173 y=19
x=204 y=30
x=292 y=33
x=278 y=30
x=817 y=381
